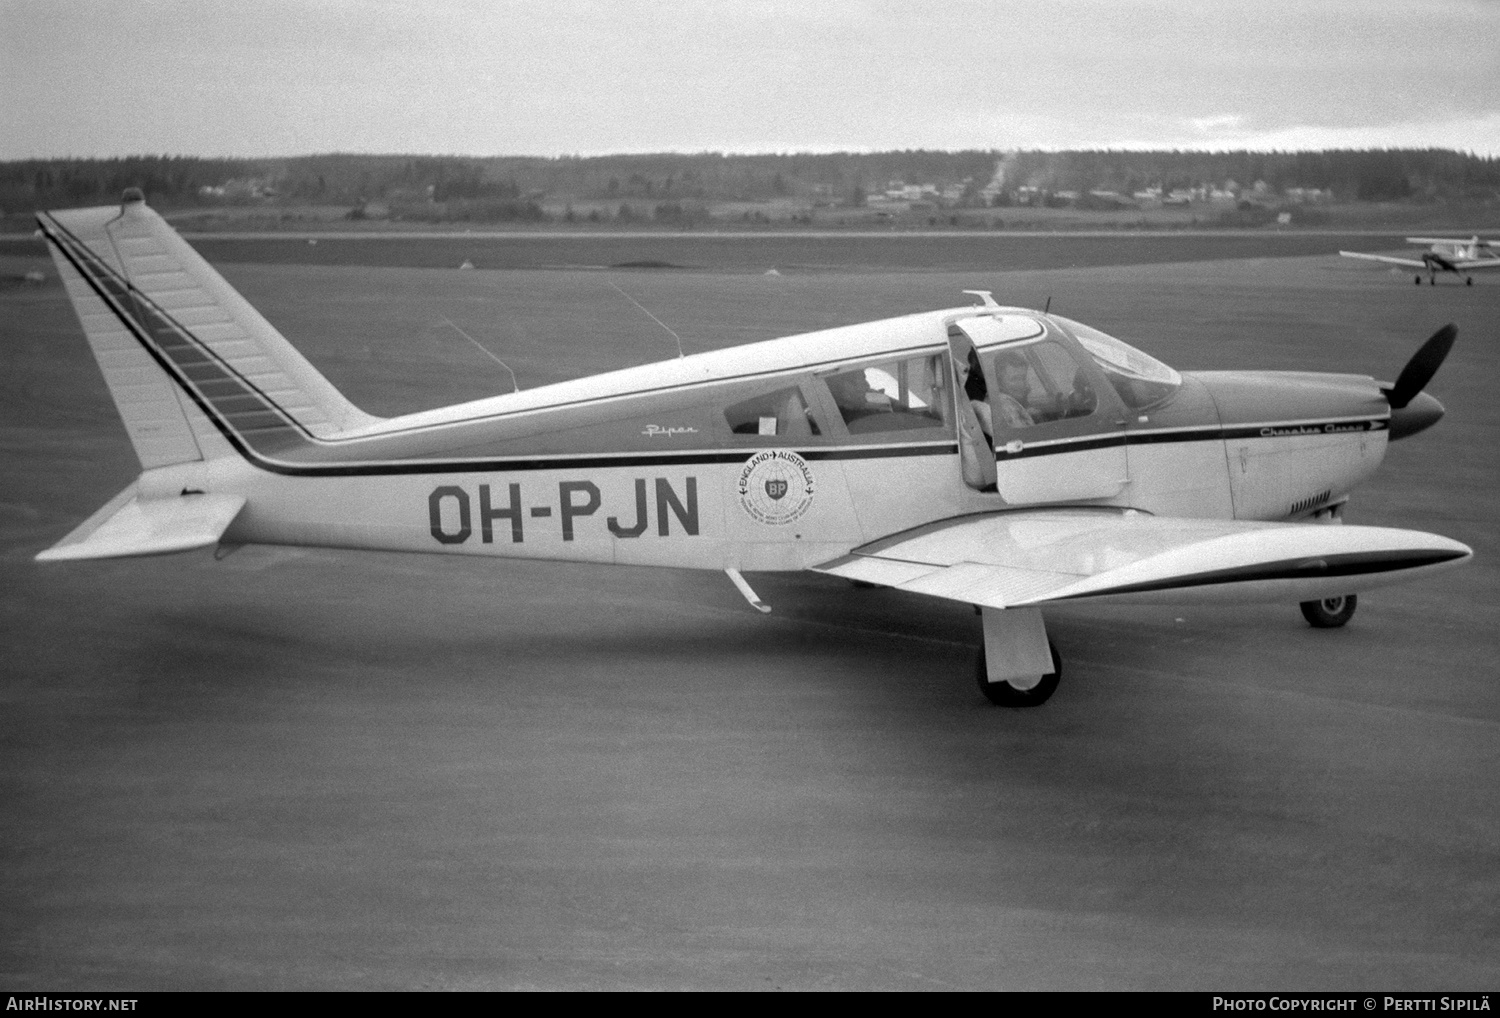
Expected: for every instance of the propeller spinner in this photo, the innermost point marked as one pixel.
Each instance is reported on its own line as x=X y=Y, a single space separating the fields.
x=1412 y=410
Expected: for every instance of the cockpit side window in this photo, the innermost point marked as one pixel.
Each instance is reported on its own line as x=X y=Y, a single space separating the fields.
x=1141 y=380
x=899 y=395
x=1068 y=392
x=1038 y=382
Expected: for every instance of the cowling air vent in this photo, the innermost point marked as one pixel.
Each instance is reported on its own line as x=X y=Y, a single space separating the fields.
x=1310 y=503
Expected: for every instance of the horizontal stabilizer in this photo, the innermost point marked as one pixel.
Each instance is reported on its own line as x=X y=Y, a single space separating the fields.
x=130 y=525
x=1034 y=557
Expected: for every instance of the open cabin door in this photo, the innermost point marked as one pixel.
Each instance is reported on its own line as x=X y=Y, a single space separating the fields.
x=976 y=451
x=1056 y=424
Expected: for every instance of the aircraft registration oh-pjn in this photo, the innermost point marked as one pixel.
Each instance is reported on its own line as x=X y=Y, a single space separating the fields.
x=993 y=456
x=1445 y=254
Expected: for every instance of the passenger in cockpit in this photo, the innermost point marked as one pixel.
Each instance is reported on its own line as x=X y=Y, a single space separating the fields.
x=972 y=377
x=856 y=397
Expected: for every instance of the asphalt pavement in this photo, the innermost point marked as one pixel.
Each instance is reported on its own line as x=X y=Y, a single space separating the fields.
x=298 y=768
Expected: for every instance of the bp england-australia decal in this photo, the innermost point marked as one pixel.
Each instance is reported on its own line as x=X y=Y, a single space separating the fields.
x=776 y=487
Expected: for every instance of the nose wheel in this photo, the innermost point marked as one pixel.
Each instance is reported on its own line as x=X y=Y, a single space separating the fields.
x=1331 y=612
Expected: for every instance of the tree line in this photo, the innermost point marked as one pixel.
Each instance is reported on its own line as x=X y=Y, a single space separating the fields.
x=514 y=185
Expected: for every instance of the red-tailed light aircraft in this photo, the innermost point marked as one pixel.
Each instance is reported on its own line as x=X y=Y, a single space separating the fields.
x=995 y=456
x=1446 y=254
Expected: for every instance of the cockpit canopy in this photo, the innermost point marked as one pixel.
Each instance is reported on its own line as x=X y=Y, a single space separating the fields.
x=1141 y=380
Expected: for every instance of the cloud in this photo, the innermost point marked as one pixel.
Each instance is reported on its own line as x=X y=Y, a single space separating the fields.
x=1216 y=124
x=107 y=77
x=1480 y=135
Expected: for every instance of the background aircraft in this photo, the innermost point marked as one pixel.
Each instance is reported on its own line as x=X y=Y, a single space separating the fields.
x=1461 y=257
x=994 y=456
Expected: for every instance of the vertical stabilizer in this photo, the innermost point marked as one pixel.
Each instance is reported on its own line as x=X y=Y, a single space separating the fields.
x=192 y=367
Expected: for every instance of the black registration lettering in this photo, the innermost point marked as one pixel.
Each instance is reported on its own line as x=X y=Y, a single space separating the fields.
x=488 y=515
x=435 y=514
x=640 y=514
x=575 y=499
x=667 y=498
x=570 y=509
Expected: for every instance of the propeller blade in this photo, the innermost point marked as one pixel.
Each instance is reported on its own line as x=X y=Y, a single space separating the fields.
x=1422 y=366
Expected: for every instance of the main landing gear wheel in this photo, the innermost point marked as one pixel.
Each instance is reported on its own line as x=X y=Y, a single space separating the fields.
x=1003 y=694
x=1331 y=612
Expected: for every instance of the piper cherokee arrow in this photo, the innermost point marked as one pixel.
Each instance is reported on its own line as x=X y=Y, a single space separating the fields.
x=994 y=456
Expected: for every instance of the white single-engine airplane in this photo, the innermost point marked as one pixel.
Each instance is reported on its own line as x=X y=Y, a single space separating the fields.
x=1461 y=257
x=994 y=456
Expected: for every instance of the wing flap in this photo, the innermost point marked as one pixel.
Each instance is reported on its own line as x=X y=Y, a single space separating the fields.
x=130 y=525
x=1032 y=557
x=885 y=572
x=989 y=585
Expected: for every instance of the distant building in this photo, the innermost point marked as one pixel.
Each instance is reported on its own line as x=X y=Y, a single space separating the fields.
x=900 y=191
x=246 y=188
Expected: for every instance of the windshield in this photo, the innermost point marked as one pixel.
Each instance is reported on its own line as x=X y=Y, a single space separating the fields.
x=1140 y=379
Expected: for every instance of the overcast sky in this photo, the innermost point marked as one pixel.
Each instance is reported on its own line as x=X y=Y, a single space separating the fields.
x=276 y=77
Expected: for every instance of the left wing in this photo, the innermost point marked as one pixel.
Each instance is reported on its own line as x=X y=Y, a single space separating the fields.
x=1410 y=262
x=1478 y=263
x=1033 y=557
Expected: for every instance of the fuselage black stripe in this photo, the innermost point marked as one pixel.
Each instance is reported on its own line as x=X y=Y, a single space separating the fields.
x=603 y=462
x=1208 y=433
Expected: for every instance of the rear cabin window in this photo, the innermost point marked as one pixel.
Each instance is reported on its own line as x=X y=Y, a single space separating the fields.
x=899 y=395
x=783 y=413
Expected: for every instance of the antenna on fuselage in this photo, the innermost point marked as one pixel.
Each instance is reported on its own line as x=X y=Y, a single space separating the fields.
x=1047 y=307
x=485 y=351
x=649 y=315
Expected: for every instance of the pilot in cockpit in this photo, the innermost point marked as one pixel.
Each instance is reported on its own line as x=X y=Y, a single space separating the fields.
x=1010 y=403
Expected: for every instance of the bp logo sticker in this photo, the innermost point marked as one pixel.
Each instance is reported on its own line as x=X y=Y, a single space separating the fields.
x=776 y=487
